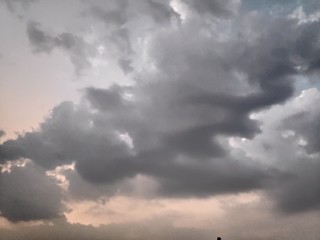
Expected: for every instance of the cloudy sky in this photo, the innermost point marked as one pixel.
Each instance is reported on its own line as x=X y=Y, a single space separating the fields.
x=159 y=119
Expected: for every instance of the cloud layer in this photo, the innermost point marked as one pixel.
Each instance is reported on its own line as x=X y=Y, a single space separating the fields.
x=202 y=71
x=27 y=193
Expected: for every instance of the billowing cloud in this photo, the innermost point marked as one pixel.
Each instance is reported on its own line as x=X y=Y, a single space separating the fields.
x=27 y=193
x=198 y=83
x=107 y=158
x=288 y=142
x=302 y=192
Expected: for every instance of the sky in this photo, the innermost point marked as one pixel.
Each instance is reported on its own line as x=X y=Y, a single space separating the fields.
x=159 y=119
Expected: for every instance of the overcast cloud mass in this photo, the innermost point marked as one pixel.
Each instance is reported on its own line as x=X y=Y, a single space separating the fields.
x=203 y=110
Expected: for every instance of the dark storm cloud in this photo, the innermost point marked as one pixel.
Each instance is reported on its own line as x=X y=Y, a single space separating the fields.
x=218 y=177
x=27 y=193
x=194 y=91
x=185 y=116
x=81 y=189
x=311 y=39
x=289 y=141
x=10 y=150
x=78 y=50
x=302 y=190
x=106 y=159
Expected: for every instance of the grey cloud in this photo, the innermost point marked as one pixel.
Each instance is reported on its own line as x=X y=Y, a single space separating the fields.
x=81 y=189
x=221 y=176
x=302 y=191
x=27 y=193
x=101 y=157
x=63 y=139
x=199 y=91
x=10 y=150
x=40 y=39
x=210 y=90
x=125 y=65
x=304 y=45
x=220 y=8
x=2 y=133
x=115 y=20
x=311 y=38
x=289 y=141
x=78 y=50
x=306 y=124
x=107 y=100
x=186 y=116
